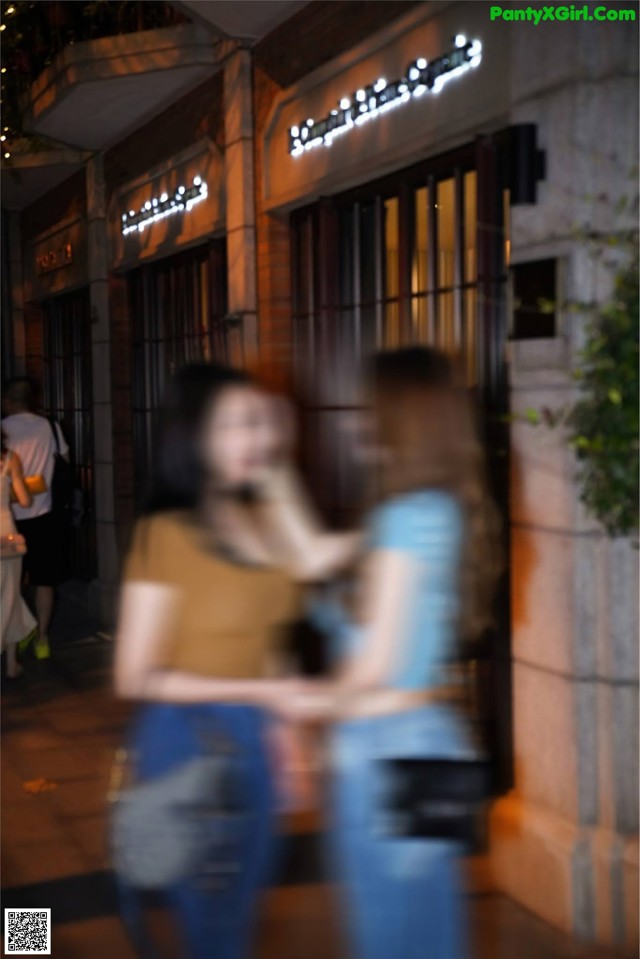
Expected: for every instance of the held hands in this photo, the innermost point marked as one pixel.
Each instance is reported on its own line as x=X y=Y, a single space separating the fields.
x=12 y=544
x=295 y=761
x=305 y=701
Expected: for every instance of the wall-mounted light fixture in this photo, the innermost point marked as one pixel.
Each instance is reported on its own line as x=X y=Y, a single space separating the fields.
x=183 y=200
x=421 y=76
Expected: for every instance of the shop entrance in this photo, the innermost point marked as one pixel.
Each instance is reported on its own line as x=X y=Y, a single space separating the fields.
x=178 y=309
x=67 y=396
x=418 y=257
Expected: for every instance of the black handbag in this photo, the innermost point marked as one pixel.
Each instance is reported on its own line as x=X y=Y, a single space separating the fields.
x=63 y=483
x=434 y=798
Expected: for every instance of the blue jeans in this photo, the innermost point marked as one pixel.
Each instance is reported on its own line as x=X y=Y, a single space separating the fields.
x=402 y=897
x=214 y=923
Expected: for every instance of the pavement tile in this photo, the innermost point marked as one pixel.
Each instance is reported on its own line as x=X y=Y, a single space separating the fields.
x=61 y=722
x=95 y=939
x=11 y=785
x=80 y=724
x=84 y=797
x=55 y=764
x=90 y=834
x=31 y=819
x=27 y=863
x=301 y=922
x=30 y=738
x=505 y=929
x=97 y=760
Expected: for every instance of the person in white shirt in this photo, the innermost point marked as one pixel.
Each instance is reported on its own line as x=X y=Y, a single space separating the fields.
x=31 y=437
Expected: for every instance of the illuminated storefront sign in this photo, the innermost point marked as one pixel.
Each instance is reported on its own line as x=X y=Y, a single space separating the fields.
x=421 y=77
x=183 y=200
x=54 y=259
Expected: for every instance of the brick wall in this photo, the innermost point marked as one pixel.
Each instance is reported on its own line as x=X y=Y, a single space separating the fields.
x=321 y=31
x=314 y=36
x=197 y=115
x=66 y=200
x=273 y=257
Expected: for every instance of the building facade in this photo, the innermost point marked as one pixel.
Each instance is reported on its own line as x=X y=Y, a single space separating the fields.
x=358 y=176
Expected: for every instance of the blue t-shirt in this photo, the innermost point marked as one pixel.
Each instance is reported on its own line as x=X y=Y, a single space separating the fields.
x=428 y=526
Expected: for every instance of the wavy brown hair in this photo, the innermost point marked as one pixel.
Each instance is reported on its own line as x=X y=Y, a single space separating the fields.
x=426 y=426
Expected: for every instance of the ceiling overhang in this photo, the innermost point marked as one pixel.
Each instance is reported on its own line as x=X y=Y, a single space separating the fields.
x=248 y=20
x=96 y=93
x=31 y=174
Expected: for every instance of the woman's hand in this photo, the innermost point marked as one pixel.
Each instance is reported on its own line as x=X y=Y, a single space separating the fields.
x=294 y=765
x=13 y=544
x=20 y=491
x=308 y=701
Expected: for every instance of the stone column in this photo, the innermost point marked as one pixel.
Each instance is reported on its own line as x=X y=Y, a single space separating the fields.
x=565 y=842
x=106 y=584
x=241 y=233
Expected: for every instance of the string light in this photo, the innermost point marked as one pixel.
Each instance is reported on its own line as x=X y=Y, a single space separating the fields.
x=184 y=198
x=7 y=155
x=422 y=76
x=2 y=138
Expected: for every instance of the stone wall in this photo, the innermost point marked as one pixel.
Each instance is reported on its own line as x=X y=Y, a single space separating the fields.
x=565 y=842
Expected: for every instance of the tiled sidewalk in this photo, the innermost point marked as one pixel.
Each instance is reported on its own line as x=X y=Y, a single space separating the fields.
x=60 y=725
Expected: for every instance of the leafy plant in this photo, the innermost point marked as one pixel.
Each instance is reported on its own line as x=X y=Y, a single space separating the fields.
x=604 y=422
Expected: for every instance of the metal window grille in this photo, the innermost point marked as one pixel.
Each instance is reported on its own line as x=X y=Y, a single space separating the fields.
x=67 y=396
x=178 y=309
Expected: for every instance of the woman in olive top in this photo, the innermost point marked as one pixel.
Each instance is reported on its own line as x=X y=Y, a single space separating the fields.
x=208 y=591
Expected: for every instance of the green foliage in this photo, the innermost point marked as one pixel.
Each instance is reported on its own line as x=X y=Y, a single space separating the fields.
x=604 y=422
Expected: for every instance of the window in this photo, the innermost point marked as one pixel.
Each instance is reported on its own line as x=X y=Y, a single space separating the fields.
x=178 y=308
x=419 y=257
x=535 y=300
x=67 y=396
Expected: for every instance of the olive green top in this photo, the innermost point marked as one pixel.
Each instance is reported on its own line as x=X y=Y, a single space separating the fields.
x=230 y=617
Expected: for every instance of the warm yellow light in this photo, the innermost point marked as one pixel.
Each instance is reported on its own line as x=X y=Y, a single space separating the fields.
x=11 y=10
x=2 y=138
x=3 y=26
x=4 y=70
x=7 y=155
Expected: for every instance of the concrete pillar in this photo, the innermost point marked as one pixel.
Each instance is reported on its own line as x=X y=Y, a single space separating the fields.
x=241 y=233
x=106 y=584
x=565 y=842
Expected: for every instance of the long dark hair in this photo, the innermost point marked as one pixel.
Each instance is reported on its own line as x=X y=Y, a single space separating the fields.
x=179 y=473
x=425 y=420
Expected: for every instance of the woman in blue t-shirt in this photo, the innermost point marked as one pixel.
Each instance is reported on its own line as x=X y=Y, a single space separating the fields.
x=429 y=570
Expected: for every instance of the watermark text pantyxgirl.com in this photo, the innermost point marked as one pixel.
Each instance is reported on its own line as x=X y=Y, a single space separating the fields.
x=561 y=14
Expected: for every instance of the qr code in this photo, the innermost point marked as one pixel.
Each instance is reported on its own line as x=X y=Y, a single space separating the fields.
x=27 y=932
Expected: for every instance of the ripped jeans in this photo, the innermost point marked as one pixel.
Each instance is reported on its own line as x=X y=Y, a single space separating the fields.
x=403 y=897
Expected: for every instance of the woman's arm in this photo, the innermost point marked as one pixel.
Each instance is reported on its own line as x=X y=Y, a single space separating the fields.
x=146 y=612
x=388 y=587
x=310 y=551
x=18 y=486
